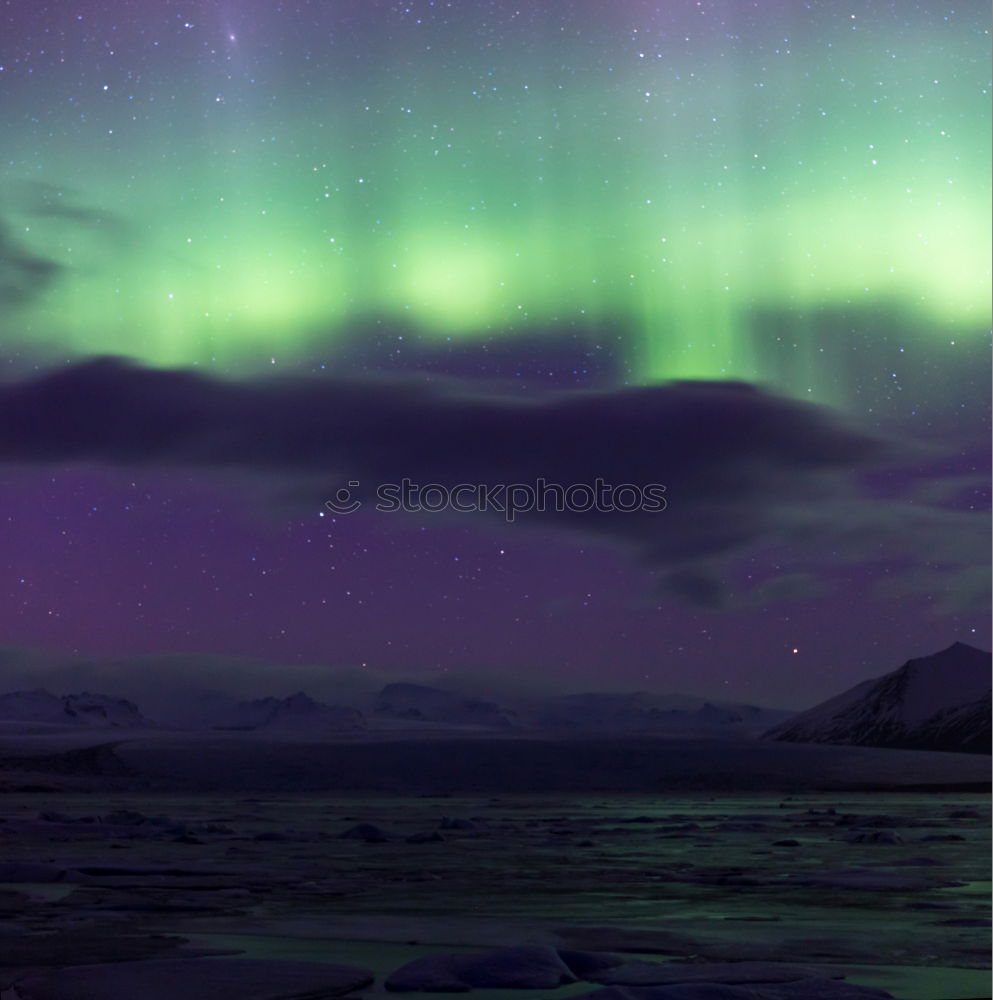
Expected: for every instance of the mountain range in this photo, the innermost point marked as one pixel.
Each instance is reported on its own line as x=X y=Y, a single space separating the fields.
x=84 y=710
x=937 y=702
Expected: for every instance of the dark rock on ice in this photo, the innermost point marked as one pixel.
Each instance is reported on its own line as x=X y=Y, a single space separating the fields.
x=124 y=817
x=528 y=967
x=583 y=964
x=874 y=837
x=430 y=837
x=456 y=823
x=368 y=832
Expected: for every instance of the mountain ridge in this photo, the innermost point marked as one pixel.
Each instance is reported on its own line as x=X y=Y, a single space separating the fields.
x=936 y=702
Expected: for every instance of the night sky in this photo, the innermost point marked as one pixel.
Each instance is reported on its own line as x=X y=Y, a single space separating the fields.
x=737 y=248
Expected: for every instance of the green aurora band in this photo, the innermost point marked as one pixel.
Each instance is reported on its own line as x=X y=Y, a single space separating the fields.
x=257 y=183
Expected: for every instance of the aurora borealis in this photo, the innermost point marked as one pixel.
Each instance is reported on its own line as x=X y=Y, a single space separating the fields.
x=574 y=195
x=232 y=182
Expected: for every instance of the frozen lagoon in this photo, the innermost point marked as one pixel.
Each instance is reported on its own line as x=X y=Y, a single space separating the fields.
x=887 y=889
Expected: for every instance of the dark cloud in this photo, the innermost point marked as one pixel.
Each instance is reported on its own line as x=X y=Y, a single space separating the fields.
x=24 y=275
x=63 y=204
x=42 y=200
x=744 y=469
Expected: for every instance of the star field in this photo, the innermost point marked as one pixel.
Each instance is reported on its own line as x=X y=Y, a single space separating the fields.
x=528 y=198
